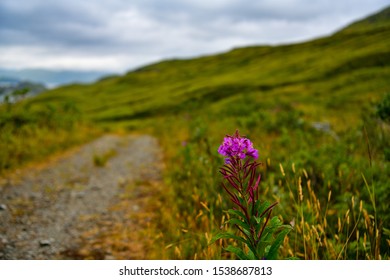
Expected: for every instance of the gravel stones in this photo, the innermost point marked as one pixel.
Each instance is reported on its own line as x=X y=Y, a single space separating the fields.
x=43 y=209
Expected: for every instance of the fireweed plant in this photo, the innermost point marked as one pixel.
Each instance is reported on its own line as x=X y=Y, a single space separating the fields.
x=258 y=234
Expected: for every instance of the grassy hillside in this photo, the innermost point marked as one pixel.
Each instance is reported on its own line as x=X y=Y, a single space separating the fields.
x=349 y=66
x=310 y=108
x=378 y=20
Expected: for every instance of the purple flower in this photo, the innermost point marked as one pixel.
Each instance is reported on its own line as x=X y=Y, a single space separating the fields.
x=237 y=147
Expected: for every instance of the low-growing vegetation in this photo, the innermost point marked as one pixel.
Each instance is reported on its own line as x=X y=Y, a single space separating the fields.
x=333 y=191
x=29 y=134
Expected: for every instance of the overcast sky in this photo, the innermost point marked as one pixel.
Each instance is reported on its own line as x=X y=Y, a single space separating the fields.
x=119 y=35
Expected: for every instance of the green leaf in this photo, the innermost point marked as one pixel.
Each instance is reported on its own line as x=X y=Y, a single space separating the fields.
x=240 y=223
x=273 y=251
x=251 y=255
x=262 y=206
x=238 y=252
x=261 y=246
x=257 y=205
x=272 y=225
x=267 y=233
x=237 y=213
x=275 y=222
x=227 y=235
x=258 y=225
x=293 y=258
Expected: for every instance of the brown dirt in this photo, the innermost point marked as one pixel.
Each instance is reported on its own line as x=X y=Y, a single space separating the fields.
x=94 y=202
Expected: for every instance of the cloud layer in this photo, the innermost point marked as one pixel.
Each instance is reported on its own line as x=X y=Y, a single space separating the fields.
x=117 y=35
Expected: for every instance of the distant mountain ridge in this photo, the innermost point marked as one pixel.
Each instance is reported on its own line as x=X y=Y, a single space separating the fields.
x=53 y=78
x=381 y=18
x=10 y=86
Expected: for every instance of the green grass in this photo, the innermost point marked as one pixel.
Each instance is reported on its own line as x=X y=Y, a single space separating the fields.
x=272 y=95
x=28 y=134
x=101 y=159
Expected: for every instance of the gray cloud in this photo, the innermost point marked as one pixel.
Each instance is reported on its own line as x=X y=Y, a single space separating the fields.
x=119 y=34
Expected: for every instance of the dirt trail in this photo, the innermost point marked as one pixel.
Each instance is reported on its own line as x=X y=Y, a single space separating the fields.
x=44 y=210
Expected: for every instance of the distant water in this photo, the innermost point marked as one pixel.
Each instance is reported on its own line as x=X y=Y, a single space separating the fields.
x=53 y=78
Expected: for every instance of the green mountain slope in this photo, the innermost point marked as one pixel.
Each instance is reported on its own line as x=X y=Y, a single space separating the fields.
x=380 y=19
x=342 y=70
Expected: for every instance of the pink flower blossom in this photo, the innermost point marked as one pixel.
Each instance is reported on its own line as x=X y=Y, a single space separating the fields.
x=237 y=147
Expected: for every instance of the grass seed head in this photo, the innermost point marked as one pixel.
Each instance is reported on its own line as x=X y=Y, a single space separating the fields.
x=282 y=170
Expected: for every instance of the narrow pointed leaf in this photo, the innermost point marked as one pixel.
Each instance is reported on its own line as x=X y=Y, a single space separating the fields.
x=273 y=251
x=238 y=252
x=226 y=235
x=239 y=223
x=237 y=213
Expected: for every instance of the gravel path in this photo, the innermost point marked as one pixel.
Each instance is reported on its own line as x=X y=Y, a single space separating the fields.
x=43 y=209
